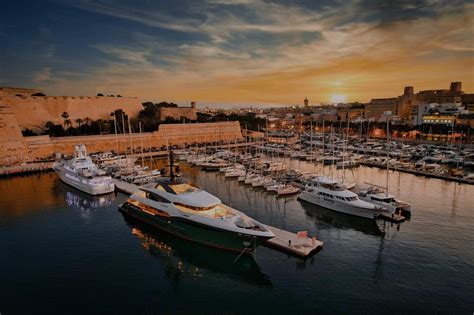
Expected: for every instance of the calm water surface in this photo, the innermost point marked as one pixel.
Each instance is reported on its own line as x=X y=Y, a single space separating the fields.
x=66 y=252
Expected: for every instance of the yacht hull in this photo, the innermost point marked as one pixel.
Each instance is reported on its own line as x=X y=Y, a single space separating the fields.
x=339 y=207
x=82 y=184
x=195 y=232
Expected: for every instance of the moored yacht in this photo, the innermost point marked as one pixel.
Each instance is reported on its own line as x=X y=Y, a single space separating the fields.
x=186 y=211
x=329 y=194
x=81 y=173
x=378 y=196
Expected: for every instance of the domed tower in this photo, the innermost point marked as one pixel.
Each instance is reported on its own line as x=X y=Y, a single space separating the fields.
x=306 y=102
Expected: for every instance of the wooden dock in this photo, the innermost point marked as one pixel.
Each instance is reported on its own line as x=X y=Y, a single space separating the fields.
x=420 y=173
x=27 y=168
x=290 y=243
x=284 y=241
x=395 y=218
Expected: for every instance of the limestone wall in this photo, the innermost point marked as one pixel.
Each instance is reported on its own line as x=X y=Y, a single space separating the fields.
x=33 y=148
x=178 y=112
x=12 y=146
x=33 y=111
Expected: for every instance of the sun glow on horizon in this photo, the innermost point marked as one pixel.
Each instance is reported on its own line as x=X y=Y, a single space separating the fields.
x=338 y=98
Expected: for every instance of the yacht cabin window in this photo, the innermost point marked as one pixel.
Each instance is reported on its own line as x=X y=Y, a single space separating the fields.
x=156 y=197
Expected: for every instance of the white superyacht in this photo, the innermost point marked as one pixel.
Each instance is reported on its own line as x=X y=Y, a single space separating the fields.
x=180 y=208
x=328 y=193
x=81 y=173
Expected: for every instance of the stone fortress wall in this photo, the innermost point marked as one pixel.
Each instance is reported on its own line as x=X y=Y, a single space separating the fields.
x=178 y=113
x=167 y=134
x=12 y=146
x=34 y=111
x=19 y=110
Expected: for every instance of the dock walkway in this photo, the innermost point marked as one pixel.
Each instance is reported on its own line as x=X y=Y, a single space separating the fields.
x=27 y=168
x=284 y=241
x=290 y=243
x=420 y=173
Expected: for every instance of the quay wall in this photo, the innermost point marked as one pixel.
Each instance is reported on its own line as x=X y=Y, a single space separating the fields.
x=30 y=149
x=34 y=111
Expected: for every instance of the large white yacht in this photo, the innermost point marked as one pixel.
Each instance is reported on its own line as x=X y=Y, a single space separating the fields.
x=81 y=173
x=328 y=193
x=186 y=211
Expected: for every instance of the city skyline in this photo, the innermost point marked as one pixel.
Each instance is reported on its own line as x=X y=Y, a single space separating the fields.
x=238 y=52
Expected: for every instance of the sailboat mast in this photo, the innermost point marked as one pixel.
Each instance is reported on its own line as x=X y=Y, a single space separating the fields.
x=130 y=136
x=116 y=136
x=388 y=148
x=123 y=129
x=311 y=141
x=141 y=141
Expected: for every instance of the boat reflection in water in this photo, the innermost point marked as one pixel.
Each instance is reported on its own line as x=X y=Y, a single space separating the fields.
x=196 y=259
x=341 y=220
x=79 y=200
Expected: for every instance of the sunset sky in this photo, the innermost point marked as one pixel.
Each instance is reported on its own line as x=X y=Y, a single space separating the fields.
x=250 y=52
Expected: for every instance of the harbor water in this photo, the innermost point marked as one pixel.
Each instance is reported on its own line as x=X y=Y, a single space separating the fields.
x=67 y=252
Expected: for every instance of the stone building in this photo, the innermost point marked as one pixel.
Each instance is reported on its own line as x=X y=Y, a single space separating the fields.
x=468 y=101
x=376 y=108
x=453 y=95
x=351 y=111
x=405 y=104
x=178 y=113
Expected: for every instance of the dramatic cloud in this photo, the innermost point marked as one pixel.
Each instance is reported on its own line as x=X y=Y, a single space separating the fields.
x=241 y=51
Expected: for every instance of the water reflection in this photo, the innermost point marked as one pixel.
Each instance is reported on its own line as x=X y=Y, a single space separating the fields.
x=341 y=220
x=78 y=200
x=186 y=258
x=28 y=194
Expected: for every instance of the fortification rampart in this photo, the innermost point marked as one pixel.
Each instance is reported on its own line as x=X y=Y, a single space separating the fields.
x=34 y=111
x=12 y=146
x=178 y=113
x=40 y=147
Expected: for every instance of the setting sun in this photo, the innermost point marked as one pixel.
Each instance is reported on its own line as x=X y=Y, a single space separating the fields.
x=338 y=98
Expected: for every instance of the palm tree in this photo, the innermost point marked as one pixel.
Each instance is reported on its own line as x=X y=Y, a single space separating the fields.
x=79 y=122
x=67 y=122
x=65 y=116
